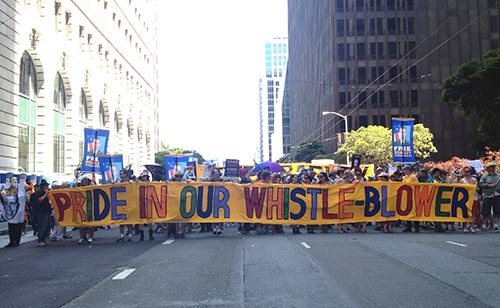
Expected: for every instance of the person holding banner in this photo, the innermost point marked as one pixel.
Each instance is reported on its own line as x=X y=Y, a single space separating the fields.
x=144 y=177
x=84 y=231
x=216 y=227
x=489 y=183
x=124 y=179
x=409 y=177
x=469 y=179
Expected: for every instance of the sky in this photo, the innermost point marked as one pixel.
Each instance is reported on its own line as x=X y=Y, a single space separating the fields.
x=211 y=56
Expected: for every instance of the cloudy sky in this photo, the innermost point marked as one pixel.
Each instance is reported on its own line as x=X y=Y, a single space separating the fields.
x=211 y=58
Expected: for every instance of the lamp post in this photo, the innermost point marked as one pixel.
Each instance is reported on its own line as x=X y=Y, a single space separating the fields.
x=346 y=126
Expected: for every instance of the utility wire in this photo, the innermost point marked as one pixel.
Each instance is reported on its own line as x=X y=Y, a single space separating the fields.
x=404 y=71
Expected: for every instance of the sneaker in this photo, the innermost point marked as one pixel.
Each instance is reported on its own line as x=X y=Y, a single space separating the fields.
x=90 y=240
x=219 y=233
x=496 y=228
x=120 y=239
x=214 y=233
x=41 y=244
x=467 y=229
x=130 y=237
x=80 y=241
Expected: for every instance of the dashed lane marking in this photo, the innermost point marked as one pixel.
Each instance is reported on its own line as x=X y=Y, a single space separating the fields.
x=455 y=243
x=168 y=242
x=305 y=245
x=123 y=274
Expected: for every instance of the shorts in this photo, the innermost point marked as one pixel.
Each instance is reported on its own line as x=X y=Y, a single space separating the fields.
x=489 y=204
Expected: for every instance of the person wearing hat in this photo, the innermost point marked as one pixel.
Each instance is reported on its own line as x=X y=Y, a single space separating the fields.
x=489 y=183
x=409 y=177
x=44 y=210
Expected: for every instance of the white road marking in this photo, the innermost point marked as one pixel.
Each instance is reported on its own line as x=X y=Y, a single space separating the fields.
x=458 y=244
x=168 y=242
x=305 y=245
x=123 y=274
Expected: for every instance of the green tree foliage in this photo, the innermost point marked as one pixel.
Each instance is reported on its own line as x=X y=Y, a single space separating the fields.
x=422 y=141
x=374 y=144
x=308 y=151
x=475 y=90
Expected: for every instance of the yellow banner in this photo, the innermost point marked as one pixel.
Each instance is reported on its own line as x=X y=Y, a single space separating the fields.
x=132 y=203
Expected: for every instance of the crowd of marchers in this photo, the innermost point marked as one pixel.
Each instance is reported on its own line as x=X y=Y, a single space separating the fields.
x=485 y=212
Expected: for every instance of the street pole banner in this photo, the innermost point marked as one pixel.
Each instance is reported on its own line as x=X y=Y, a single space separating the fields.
x=141 y=202
x=176 y=163
x=95 y=144
x=402 y=140
x=110 y=168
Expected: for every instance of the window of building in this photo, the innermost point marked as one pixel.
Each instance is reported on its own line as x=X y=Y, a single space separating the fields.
x=361 y=51
x=381 y=99
x=413 y=73
x=340 y=27
x=360 y=27
x=340 y=5
x=411 y=25
x=102 y=115
x=391 y=26
x=412 y=49
x=494 y=23
x=393 y=72
x=59 y=124
x=410 y=5
x=360 y=5
x=413 y=98
x=83 y=116
x=363 y=121
x=362 y=100
x=361 y=75
x=394 y=97
x=341 y=52
x=372 y=51
x=342 y=74
x=342 y=99
x=27 y=113
x=380 y=26
x=380 y=8
x=392 y=50
x=391 y=5
x=380 y=50
x=117 y=124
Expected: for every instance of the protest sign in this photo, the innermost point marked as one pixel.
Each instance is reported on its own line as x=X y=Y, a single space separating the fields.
x=137 y=203
x=402 y=140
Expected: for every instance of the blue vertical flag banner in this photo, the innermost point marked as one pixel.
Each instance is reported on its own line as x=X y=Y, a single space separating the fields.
x=176 y=163
x=402 y=140
x=110 y=168
x=95 y=144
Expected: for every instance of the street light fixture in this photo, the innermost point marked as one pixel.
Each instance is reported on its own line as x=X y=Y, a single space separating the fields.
x=346 y=127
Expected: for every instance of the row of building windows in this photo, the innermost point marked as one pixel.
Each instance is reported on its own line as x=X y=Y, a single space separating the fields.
x=363 y=120
x=377 y=74
x=376 y=51
x=27 y=118
x=374 y=5
x=376 y=26
x=394 y=99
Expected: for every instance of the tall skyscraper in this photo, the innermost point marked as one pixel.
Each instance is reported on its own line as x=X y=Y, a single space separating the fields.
x=271 y=94
x=371 y=60
x=67 y=65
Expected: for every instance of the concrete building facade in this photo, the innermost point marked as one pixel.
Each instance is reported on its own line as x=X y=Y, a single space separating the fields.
x=271 y=94
x=372 y=60
x=67 y=65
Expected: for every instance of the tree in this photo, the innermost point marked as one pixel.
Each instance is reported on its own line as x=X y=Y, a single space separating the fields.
x=474 y=89
x=374 y=143
x=308 y=151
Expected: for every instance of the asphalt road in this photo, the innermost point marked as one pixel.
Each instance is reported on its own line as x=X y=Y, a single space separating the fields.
x=274 y=270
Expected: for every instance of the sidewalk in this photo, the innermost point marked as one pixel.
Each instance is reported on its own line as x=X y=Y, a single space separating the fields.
x=4 y=228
